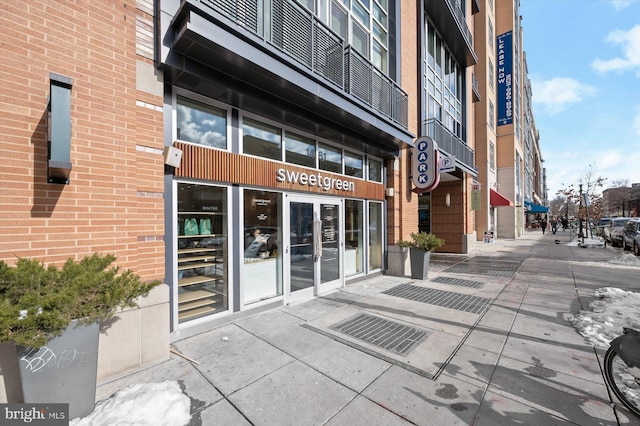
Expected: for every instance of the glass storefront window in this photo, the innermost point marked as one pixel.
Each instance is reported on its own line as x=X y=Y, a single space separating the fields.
x=354 y=237
x=202 y=124
x=375 y=235
x=262 y=266
x=329 y=158
x=300 y=150
x=424 y=212
x=375 y=170
x=353 y=165
x=202 y=251
x=261 y=140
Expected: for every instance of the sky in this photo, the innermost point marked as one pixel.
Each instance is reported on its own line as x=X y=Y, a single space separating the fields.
x=583 y=60
x=164 y=403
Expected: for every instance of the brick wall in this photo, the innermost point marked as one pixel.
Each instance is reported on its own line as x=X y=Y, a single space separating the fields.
x=114 y=201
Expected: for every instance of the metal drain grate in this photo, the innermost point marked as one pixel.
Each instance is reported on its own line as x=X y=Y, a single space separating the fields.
x=459 y=282
x=488 y=265
x=389 y=335
x=446 y=299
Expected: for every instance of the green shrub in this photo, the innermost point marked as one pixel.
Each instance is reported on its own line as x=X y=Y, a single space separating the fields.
x=37 y=303
x=423 y=241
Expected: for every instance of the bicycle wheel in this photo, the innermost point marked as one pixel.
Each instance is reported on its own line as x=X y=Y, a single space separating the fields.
x=623 y=381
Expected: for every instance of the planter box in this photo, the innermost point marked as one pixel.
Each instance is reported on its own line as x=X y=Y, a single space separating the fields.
x=419 y=263
x=63 y=371
x=397 y=259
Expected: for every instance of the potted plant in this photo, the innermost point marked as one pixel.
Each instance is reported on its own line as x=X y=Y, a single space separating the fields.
x=51 y=317
x=420 y=247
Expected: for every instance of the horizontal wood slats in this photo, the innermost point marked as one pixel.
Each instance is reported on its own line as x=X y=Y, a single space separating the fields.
x=204 y=163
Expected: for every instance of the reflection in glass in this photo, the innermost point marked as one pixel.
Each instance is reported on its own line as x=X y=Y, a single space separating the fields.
x=375 y=170
x=375 y=236
x=201 y=124
x=302 y=250
x=329 y=158
x=261 y=140
x=330 y=261
x=262 y=266
x=353 y=165
x=300 y=150
x=354 y=237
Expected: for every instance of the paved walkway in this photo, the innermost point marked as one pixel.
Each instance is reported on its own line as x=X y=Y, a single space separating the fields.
x=484 y=341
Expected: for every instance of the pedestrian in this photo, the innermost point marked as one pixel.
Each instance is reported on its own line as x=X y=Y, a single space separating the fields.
x=554 y=224
x=543 y=225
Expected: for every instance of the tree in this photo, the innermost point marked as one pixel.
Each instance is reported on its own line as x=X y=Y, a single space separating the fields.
x=587 y=190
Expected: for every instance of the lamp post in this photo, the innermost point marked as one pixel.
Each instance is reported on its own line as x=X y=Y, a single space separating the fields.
x=580 y=233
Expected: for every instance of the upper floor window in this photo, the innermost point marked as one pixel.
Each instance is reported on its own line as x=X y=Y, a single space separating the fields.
x=375 y=170
x=201 y=123
x=490 y=39
x=329 y=158
x=300 y=150
x=492 y=114
x=261 y=140
x=492 y=156
x=364 y=24
x=353 y=164
x=491 y=74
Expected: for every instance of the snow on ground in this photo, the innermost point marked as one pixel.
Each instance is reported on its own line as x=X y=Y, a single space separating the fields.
x=614 y=309
x=152 y=404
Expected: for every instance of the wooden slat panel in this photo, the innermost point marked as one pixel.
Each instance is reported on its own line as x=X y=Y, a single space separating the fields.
x=204 y=163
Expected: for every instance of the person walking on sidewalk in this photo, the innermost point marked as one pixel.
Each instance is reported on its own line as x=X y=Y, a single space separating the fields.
x=554 y=224
x=543 y=224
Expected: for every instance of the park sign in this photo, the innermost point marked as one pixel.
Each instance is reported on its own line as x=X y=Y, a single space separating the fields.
x=425 y=165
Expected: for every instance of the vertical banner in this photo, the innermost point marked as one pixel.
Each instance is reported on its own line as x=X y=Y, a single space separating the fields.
x=504 y=50
x=425 y=165
x=475 y=196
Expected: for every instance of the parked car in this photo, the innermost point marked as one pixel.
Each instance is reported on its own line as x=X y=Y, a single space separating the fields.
x=613 y=231
x=604 y=221
x=636 y=245
x=630 y=232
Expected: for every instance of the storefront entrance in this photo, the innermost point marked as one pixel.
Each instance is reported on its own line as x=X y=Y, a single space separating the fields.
x=313 y=246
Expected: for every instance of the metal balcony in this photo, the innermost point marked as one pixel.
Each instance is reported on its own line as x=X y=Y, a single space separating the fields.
x=450 y=21
x=303 y=38
x=451 y=145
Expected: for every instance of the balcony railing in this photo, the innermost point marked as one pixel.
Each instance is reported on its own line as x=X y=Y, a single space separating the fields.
x=462 y=23
x=450 y=144
x=300 y=35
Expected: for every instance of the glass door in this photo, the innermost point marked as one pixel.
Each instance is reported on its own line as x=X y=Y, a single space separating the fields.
x=314 y=250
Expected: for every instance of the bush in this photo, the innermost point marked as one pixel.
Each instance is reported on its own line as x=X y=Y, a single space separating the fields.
x=422 y=240
x=37 y=303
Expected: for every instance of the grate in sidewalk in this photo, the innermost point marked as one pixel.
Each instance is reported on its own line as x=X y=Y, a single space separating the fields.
x=446 y=299
x=389 y=335
x=459 y=282
x=488 y=265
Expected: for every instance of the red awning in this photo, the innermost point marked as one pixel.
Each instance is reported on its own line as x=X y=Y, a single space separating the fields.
x=498 y=199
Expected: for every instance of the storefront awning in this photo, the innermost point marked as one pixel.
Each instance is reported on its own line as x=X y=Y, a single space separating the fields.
x=530 y=207
x=496 y=199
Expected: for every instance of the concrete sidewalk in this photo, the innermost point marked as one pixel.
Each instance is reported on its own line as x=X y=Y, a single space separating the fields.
x=484 y=341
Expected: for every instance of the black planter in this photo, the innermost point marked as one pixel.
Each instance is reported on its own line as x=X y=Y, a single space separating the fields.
x=64 y=370
x=419 y=263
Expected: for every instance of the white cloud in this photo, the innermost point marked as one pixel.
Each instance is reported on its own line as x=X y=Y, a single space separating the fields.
x=630 y=60
x=610 y=160
x=559 y=93
x=621 y=4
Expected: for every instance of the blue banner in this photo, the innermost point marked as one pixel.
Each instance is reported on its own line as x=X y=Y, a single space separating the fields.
x=504 y=51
